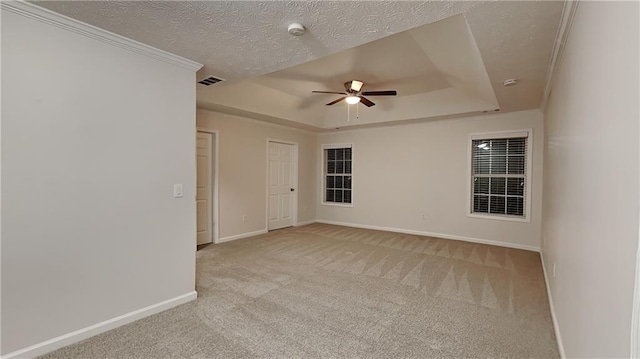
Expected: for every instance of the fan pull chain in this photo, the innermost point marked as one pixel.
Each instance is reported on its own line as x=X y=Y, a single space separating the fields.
x=357 y=112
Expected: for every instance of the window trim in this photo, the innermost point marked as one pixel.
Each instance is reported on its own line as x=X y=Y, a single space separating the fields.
x=323 y=177
x=529 y=158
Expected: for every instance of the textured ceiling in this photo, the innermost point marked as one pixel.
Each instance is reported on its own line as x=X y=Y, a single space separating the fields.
x=436 y=69
x=394 y=62
x=241 y=40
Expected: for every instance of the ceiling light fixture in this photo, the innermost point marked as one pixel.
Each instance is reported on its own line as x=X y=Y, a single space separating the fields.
x=352 y=100
x=296 y=29
x=356 y=85
x=510 y=82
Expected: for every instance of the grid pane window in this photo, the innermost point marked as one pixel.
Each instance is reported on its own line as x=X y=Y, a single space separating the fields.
x=338 y=178
x=499 y=176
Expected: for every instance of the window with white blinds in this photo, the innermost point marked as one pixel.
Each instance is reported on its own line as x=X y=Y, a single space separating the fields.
x=499 y=175
x=338 y=165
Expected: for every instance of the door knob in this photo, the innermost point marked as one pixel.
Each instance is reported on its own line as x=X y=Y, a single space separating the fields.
x=292 y=190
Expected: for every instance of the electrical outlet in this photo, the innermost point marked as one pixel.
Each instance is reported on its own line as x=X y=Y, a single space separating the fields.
x=244 y=218
x=553 y=271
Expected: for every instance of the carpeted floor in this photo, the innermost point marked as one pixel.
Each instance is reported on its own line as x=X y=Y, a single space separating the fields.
x=337 y=292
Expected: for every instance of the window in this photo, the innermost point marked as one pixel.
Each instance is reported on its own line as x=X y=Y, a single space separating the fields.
x=337 y=174
x=499 y=175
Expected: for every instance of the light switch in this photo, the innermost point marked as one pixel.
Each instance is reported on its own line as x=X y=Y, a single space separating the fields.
x=177 y=190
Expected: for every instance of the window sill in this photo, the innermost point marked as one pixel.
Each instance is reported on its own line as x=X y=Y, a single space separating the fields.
x=331 y=204
x=499 y=217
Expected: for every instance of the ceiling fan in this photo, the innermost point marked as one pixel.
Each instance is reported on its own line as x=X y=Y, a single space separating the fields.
x=353 y=94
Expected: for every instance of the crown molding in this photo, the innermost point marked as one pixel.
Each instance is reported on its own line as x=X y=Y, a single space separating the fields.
x=49 y=17
x=566 y=20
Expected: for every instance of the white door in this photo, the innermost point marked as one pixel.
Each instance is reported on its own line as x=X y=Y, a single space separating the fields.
x=281 y=191
x=204 y=219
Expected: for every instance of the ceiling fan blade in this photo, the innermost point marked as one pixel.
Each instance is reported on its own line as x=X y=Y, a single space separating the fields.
x=336 y=101
x=380 y=93
x=331 y=92
x=366 y=101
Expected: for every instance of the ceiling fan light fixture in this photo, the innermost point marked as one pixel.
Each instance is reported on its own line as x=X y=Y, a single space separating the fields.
x=352 y=100
x=356 y=85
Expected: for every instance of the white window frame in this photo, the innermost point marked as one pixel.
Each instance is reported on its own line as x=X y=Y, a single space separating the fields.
x=529 y=180
x=323 y=178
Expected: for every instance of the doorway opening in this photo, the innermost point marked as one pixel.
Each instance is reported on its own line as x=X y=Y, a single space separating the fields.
x=207 y=228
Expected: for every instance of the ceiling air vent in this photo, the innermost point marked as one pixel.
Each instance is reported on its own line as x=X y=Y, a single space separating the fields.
x=210 y=81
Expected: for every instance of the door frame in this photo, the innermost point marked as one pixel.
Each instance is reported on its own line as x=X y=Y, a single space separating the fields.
x=294 y=182
x=215 y=215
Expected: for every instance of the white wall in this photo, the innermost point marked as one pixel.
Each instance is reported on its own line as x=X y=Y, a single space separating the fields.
x=401 y=172
x=243 y=170
x=590 y=224
x=93 y=138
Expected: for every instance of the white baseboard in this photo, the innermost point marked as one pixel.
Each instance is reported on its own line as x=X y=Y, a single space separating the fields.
x=305 y=223
x=84 y=333
x=635 y=313
x=556 y=328
x=432 y=234
x=242 y=235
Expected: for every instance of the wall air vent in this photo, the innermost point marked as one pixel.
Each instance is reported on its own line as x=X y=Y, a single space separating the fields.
x=210 y=81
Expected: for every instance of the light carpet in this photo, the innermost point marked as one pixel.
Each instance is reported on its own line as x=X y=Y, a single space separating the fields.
x=324 y=291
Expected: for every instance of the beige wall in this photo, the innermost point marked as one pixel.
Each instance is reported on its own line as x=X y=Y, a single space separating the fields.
x=243 y=170
x=425 y=181
x=401 y=172
x=590 y=224
x=93 y=138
